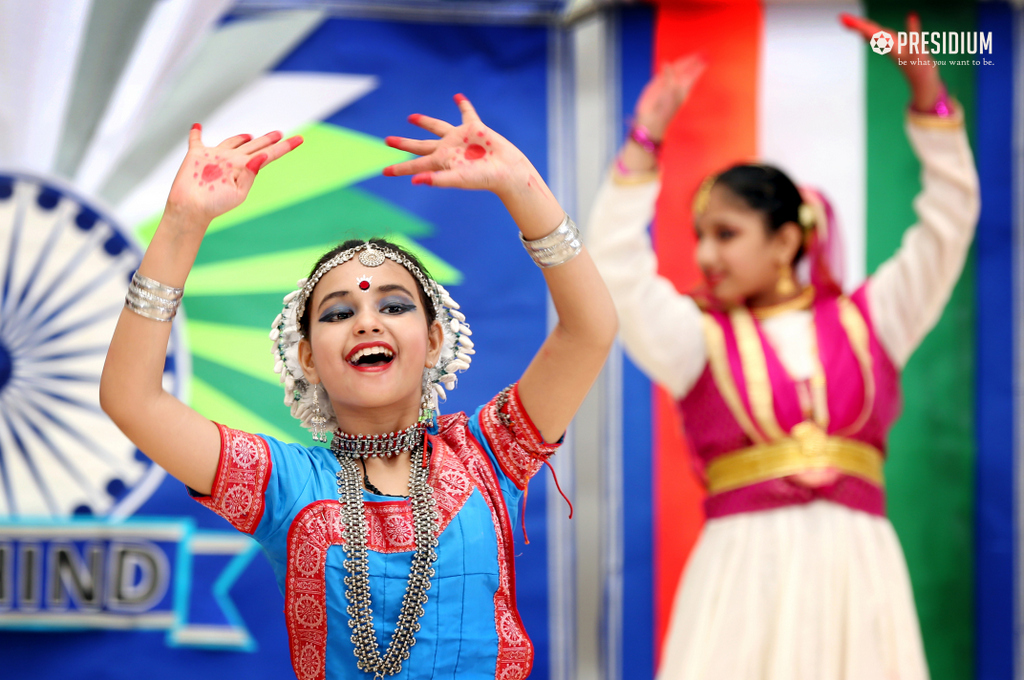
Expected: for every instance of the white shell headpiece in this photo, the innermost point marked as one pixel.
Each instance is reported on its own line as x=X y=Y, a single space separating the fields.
x=456 y=352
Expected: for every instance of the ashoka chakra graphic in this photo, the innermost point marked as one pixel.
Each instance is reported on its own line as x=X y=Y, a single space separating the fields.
x=64 y=270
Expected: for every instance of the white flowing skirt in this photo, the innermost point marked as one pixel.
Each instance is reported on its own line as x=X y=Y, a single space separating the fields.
x=809 y=592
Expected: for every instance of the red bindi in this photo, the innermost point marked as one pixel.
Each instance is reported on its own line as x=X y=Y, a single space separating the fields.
x=475 y=151
x=364 y=285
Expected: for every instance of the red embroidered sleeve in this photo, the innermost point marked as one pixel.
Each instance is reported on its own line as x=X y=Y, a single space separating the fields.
x=240 y=485
x=513 y=437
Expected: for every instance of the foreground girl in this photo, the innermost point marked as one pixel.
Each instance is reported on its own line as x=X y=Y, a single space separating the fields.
x=400 y=534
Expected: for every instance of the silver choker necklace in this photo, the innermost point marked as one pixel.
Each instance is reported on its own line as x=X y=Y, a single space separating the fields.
x=378 y=445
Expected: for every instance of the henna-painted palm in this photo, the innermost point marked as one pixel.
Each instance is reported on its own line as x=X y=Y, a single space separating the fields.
x=924 y=80
x=214 y=179
x=666 y=92
x=467 y=156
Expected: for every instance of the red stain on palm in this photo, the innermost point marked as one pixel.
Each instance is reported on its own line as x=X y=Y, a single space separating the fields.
x=211 y=172
x=488 y=142
x=211 y=187
x=474 y=152
x=480 y=134
x=195 y=174
x=465 y=140
x=224 y=181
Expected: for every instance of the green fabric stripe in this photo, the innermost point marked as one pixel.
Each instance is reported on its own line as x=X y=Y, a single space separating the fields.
x=223 y=390
x=333 y=216
x=930 y=474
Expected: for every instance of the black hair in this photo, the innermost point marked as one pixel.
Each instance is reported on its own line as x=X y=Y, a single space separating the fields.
x=767 y=190
x=428 y=306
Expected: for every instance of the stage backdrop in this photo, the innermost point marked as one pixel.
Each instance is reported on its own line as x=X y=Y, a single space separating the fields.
x=107 y=568
x=787 y=84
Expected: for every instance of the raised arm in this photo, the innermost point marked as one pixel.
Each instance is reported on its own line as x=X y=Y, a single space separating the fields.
x=661 y=329
x=211 y=181
x=909 y=291
x=472 y=156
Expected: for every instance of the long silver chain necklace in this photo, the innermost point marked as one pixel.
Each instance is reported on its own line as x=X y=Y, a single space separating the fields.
x=357 y=583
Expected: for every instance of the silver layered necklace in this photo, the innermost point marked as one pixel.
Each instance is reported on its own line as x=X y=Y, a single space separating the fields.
x=357 y=583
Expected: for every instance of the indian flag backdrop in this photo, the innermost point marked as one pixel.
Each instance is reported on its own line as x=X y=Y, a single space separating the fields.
x=787 y=84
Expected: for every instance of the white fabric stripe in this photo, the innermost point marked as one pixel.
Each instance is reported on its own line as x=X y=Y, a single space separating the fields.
x=173 y=31
x=280 y=100
x=811 y=114
x=39 y=47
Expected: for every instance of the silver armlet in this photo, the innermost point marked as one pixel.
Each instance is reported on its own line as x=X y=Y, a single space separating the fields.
x=556 y=248
x=152 y=299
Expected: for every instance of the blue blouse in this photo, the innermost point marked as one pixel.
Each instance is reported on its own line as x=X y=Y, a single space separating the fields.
x=286 y=496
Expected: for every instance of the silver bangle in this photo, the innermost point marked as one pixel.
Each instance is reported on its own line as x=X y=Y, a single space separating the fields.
x=556 y=248
x=152 y=299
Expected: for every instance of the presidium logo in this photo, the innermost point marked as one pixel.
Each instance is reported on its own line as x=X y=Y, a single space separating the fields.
x=881 y=42
x=929 y=43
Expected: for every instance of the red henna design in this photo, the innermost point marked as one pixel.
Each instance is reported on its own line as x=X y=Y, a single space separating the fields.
x=388 y=171
x=211 y=187
x=195 y=174
x=459 y=98
x=465 y=140
x=224 y=181
x=197 y=126
x=294 y=141
x=231 y=166
x=475 y=152
x=196 y=163
x=256 y=162
x=211 y=172
x=207 y=155
x=423 y=178
x=414 y=117
x=488 y=142
x=479 y=134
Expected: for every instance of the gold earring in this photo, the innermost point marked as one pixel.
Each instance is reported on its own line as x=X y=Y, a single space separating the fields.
x=785 y=286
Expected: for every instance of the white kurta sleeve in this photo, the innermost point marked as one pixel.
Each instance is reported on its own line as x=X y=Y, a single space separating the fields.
x=909 y=290
x=660 y=328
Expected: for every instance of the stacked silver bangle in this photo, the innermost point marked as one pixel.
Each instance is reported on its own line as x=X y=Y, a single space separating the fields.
x=556 y=248
x=152 y=299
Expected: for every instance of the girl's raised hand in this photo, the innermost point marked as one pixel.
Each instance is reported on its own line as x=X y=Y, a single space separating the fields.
x=666 y=92
x=214 y=179
x=919 y=70
x=467 y=156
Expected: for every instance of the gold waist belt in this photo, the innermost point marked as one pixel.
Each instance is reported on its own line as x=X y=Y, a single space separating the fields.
x=764 y=462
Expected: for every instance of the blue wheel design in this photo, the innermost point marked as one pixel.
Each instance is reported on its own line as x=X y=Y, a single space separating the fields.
x=64 y=270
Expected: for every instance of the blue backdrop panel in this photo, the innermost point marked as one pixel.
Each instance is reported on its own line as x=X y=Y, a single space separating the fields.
x=419 y=67
x=636 y=35
x=994 y=514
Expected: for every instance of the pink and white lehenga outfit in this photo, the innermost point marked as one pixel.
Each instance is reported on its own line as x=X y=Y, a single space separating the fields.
x=789 y=582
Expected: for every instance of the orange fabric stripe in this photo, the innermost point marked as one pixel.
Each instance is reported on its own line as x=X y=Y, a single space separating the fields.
x=716 y=127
